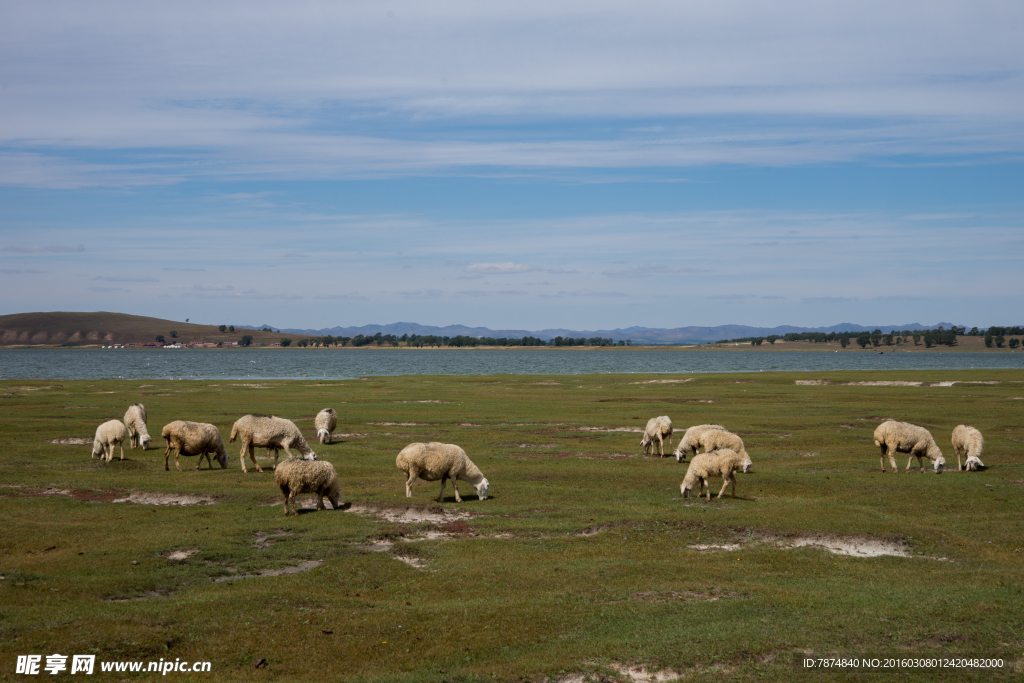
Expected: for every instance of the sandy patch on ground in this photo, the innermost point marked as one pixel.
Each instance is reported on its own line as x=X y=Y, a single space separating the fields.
x=400 y=424
x=180 y=554
x=302 y=567
x=850 y=546
x=252 y=386
x=692 y=596
x=607 y=429
x=71 y=441
x=664 y=381
x=411 y=514
x=888 y=383
x=93 y=496
x=704 y=547
x=263 y=540
x=154 y=498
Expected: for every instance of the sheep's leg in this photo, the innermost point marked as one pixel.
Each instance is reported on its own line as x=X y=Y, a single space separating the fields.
x=455 y=485
x=287 y=452
x=440 y=496
x=167 y=455
x=121 y=445
x=725 y=485
x=252 y=456
x=241 y=456
x=958 y=465
x=320 y=500
x=409 y=481
x=708 y=482
x=291 y=502
x=334 y=501
x=892 y=461
x=661 y=447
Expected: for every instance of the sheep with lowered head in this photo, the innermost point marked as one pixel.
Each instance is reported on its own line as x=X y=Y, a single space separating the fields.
x=902 y=437
x=135 y=422
x=109 y=434
x=325 y=422
x=433 y=461
x=296 y=476
x=657 y=429
x=969 y=441
x=723 y=463
x=268 y=431
x=691 y=440
x=193 y=438
x=718 y=439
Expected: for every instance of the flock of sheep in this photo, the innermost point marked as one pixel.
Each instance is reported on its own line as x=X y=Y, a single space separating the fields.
x=724 y=453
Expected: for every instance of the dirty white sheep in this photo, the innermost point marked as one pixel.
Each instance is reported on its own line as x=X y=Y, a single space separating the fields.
x=723 y=463
x=433 y=461
x=968 y=441
x=657 y=429
x=902 y=437
x=135 y=422
x=717 y=439
x=296 y=476
x=325 y=422
x=193 y=438
x=109 y=434
x=270 y=432
x=691 y=440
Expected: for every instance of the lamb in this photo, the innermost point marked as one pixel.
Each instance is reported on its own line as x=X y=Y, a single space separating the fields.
x=268 y=431
x=902 y=437
x=968 y=440
x=719 y=463
x=325 y=422
x=691 y=440
x=657 y=428
x=135 y=422
x=296 y=476
x=108 y=434
x=433 y=461
x=193 y=438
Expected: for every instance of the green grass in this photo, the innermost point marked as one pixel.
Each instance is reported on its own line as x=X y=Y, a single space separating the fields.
x=518 y=594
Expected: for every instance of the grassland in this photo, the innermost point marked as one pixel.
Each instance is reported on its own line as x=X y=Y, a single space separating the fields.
x=582 y=562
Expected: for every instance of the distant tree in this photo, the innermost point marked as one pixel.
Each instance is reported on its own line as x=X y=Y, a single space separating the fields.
x=231 y=328
x=917 y=339
x=844 y=341
x=222 y=328
x=174 y=334
x=186 y=319
x=1014 y=343
x=629 y=342
x=863 y=340
x=974 y=332
x=1000 y=339
x=285 y=341
x=771 y=338
x=988 y=341
x=160 y=338
x=246 y=340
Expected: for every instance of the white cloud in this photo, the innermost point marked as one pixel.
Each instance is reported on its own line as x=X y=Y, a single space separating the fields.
x=498 y=268
x=125 y=278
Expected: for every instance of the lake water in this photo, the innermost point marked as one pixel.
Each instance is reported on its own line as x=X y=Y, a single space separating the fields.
x=347 y=364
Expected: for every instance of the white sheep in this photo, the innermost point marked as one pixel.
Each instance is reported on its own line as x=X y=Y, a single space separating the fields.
x=135 y=421
x=721 y=463
x=691 y=440
x=718 y=439
x=969 y=441
x=325 y=422
x=267 y=431
x=433 y=461
x=657 y=429
x=193 y=438
x=108 y=434
x=296 y=476
x=902 y=437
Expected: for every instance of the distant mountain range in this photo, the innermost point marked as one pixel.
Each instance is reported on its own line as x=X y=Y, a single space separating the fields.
x=638 y=335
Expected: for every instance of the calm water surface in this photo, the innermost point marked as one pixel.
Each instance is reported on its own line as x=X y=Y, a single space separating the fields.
x=347 y=364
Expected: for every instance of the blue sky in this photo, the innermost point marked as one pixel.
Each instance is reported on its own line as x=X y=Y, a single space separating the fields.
x=514 y=165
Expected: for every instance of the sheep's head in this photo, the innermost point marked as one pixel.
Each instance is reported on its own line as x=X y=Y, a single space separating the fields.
x=482 y=489
x=973 y=464
x=309 y=456
x=323 y=435
x=688 y=483
x=747 y=464
x=97 y=449
x=939 y=463
x=222 y=458
x=145 y=441
x=679 y=454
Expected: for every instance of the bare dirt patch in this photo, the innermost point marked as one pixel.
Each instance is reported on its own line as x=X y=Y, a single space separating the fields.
x=93 y=496
x=411 y=514
x=155 y=498
x=71 y=441
x=664 y=381
x=301 y=567
x=851 y=546
x=400 y=424
x=178 y=555
x=263 y=540
x=607 y=429
x=692 y=596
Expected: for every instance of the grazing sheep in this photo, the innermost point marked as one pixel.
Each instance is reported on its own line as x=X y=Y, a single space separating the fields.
x=691 y=440
x=433 y=461
x=135 y=422
x=969 y=441
x=267 y=431
x=657 y=428
x=108 y=434
x=902 y=437
x=720 y=463
x=717 y=439
x=325 y=422
x=193 y=438
x=296 y=476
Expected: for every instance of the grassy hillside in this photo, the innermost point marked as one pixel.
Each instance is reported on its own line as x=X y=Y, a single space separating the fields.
x=585 y=562
x=65 y=328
